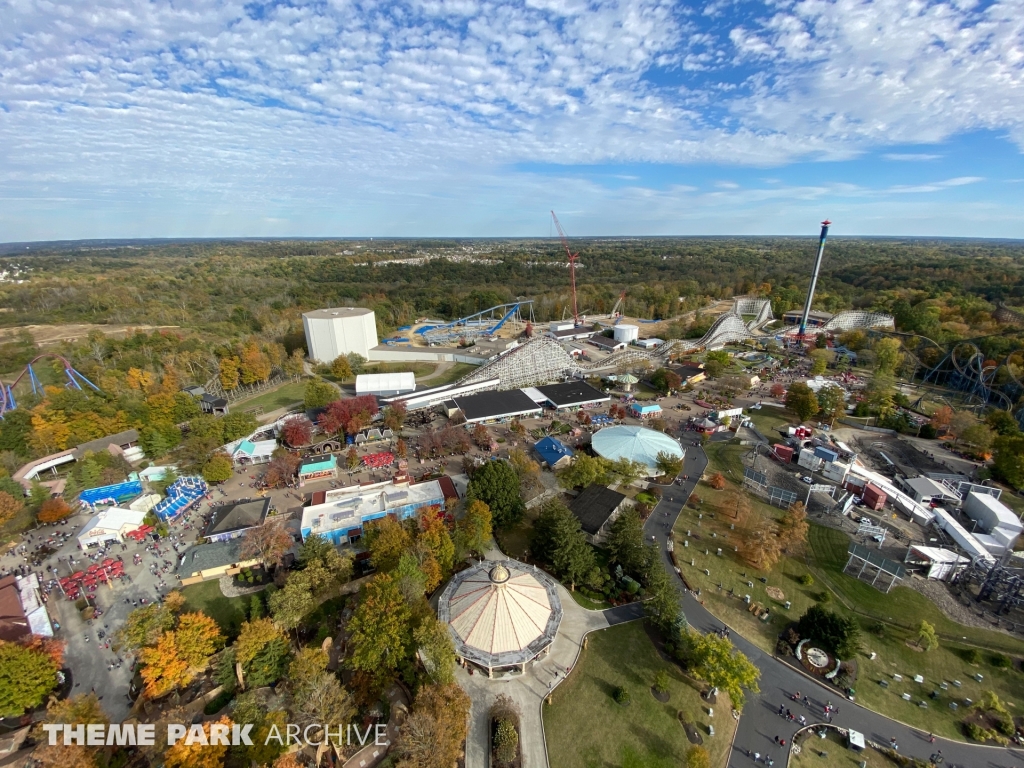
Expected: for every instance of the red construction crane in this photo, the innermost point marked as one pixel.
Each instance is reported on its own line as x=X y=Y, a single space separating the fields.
x=572 y=267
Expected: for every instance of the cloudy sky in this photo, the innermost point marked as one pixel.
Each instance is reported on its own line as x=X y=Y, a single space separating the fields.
x=134 y=118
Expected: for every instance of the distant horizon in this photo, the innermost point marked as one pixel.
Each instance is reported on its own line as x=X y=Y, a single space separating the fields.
x=115 y=241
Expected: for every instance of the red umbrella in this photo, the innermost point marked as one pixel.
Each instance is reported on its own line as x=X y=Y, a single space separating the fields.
x=109 y=561
x=78 y=575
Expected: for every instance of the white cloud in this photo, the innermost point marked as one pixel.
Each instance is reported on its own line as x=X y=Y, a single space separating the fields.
x=910 y=157
x=137 y=103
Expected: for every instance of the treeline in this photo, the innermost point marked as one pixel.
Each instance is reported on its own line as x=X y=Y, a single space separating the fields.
x=229 y=289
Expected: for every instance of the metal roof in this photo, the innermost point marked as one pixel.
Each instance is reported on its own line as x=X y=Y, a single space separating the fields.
x=501 y=614
x=636 y=444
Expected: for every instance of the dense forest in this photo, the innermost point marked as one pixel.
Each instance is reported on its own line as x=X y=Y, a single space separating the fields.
x=224 y=287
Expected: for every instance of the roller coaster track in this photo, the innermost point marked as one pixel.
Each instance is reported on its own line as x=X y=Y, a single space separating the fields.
x=75 y=380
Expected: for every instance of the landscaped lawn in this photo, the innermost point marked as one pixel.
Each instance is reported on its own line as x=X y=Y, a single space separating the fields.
x=282 y=397
x=768 y=419
x=228 y=612
x=586 y=728
x=836 y=754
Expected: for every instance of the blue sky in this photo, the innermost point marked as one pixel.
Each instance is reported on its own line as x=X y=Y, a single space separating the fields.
x=136 y=118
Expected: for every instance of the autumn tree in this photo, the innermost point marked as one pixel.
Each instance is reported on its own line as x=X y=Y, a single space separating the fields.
x=282 y=468
x=475 y=526
x=433 y=534
x=297 y=431
x=229 y=373
x=526 y=468
x=717 y=481
x=9 y=506
x=379 y=631
x=200 y=753
x=394 y=416
x=777 y=390
x=350 y=414
x=268 y=543
x=180 y=654
x=386 y=539
x=716 y=661
x=434 y=732
x=262 y=650
x=324 y=700
x=760 y=545
x=888 y=356
x=340 y=368
x=801 y=400
x=53 y=510
x=254 y=365
x=793 y=527
x=144 y=625
x=77 y=710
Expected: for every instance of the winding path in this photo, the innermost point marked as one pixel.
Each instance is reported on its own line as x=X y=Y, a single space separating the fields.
x=760 y=723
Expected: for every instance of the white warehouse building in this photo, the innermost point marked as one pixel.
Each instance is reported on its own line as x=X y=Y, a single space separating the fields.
x=331 y=333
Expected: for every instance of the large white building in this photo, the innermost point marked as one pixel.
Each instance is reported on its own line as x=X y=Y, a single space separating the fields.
x=331 y=333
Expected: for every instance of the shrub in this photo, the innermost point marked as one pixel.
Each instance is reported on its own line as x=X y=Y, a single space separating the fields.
x=661 y=681
x=971 y=655
x=1000 y=661
x=836 y=633
x=782 y=648
x=506 y=741
x=807 y=580
x=824 y=597
x=1005 y=726
x=622 y=696
x=698 y=757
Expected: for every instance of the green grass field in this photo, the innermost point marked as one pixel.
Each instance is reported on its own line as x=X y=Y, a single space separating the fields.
x=454 y=373
x=586 y=728
x=228 y=612
x=282 y=397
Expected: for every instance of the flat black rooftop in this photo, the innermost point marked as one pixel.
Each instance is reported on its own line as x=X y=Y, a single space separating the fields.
x=238 y=516
x=494 y=405
x=594 y=506
x=572 y=393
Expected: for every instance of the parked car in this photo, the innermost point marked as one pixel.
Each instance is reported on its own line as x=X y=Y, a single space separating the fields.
x=807 y=479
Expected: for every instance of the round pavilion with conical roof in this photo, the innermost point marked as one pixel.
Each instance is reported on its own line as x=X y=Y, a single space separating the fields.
x=501 y=615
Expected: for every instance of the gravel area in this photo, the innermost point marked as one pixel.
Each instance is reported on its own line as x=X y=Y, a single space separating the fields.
x=946 y=602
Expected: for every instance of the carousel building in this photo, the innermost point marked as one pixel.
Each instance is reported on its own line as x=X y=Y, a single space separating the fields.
x=501 y=615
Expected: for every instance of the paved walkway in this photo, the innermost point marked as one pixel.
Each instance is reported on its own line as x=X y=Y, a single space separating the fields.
x=760 y=723
x=529 y=689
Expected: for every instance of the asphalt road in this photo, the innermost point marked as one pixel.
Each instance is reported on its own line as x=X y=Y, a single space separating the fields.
x=760 y=722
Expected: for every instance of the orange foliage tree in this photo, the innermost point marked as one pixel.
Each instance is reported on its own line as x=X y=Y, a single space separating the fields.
x=199 y=754
x=9 y=506
x=53 y=510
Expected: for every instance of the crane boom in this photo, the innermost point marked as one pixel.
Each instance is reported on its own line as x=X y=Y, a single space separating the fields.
x=572 y=267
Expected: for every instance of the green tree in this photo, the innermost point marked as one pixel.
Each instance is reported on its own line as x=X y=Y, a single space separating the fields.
x=585 y=471
x=497 y=485
x=319 y=393
x=238 y=424
x=625 y=543
x=411 y=580
x=26 y=676
x=831 y=400
x=356 y=362
x=143 y=626
x=1008 y=461
x=667 y=464
x=926 y=637
x=801 y=400
x=978 y=436
x=186 y=407
x=1002 y=422
x=662 y=603
x=289 y=606
x=627 y=470
x=818 y=364
x=436 y=649
x=836 y=633
x=558 y=539
x=888 y=356
x=218 y=468
x=379 y=631
x=715 y=660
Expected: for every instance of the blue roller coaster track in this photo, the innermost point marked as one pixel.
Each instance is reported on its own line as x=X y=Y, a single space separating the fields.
x=75 y=380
